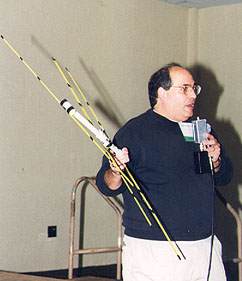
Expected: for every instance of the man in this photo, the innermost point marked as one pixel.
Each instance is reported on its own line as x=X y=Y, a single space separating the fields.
x=162 y=162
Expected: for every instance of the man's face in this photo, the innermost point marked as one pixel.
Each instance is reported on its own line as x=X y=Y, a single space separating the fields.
x=180 y=104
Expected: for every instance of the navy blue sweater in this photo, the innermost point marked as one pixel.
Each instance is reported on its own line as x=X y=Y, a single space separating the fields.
x=162 y=163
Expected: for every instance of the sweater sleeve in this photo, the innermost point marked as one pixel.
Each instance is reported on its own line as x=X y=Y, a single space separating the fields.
x=226 y=171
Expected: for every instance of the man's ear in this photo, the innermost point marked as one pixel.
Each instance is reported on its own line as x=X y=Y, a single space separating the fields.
x=161 y=93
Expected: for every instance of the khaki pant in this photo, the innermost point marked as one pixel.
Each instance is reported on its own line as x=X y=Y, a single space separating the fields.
x=146 y=260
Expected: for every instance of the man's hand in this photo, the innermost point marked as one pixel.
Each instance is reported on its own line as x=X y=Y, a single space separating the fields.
x=212 y=146
x=112 y=177
x=120 y=161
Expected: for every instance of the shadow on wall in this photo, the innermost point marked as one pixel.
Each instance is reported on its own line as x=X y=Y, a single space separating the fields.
x=105 y=103
x=206 y=107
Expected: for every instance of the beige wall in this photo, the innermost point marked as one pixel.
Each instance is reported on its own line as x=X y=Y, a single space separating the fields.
x=111 y=47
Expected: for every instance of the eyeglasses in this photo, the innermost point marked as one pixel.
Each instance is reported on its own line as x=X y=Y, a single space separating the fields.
x=186 y=89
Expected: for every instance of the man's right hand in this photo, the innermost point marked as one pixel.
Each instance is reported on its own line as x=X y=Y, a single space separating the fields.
x=121 y=160
x=112 y=177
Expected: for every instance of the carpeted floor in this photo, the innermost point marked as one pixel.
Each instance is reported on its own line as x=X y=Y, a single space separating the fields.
x=99 y=273
x=11 y=276
x=105 y=271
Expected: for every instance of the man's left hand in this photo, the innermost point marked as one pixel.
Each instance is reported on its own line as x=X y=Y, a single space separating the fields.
x=212 y=146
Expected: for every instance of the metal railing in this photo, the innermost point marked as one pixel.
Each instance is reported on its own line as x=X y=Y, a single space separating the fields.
x=229 y=207
x=73 y=251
